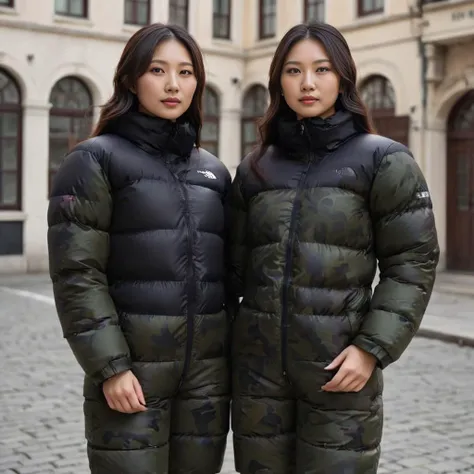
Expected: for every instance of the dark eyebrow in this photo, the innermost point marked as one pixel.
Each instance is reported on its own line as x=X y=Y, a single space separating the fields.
x=184 y=63
x=297 y=63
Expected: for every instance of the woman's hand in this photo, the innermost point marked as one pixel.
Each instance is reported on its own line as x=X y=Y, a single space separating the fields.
x=123 y=393
x=355 y=368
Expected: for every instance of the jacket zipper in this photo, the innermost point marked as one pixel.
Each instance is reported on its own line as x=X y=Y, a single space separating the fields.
x=191 y=284
x=190 y=273
x=288 y=267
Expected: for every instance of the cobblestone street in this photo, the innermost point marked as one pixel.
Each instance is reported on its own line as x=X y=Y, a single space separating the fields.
x=429 y=396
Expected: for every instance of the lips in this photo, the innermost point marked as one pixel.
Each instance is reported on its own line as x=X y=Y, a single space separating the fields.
x=171 y=101
x=308 y=100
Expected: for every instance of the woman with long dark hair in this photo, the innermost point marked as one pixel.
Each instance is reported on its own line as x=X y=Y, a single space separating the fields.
x=136 y=248
x=314 y=208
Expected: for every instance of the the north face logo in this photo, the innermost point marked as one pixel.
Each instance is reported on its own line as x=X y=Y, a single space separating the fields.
x=207 y=174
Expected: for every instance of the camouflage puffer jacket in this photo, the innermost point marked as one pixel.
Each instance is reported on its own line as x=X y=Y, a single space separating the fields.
x=136 y=246
x=305 y=242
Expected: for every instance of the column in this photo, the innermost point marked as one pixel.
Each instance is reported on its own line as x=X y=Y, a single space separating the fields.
x=230 y=138
x=435 y=172
x=35 y=183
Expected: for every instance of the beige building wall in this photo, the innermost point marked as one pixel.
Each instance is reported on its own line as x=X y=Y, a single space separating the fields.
x=425 y=54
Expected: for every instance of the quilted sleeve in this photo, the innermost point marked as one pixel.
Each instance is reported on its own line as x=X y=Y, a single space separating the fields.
x=407 y=249
x=79 y=216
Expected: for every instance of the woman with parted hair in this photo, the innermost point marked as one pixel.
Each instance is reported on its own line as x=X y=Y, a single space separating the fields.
x=136 y=248
x=314 y=208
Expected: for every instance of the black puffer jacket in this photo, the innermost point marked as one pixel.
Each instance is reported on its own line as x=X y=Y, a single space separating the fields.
x=136 y=243
x=305 y=244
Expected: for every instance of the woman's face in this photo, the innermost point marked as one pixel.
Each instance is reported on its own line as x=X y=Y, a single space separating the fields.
x=166 y=90
x=308 y=81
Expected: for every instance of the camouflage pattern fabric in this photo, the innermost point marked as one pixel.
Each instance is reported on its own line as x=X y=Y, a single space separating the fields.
x=136 y=245
x=304 y=247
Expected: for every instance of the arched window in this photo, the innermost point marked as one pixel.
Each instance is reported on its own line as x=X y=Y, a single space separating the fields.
x=254 y=106
x=70 y=119
x=10 y=142
x=379 y=96
x=210 y=126
x=462 y=116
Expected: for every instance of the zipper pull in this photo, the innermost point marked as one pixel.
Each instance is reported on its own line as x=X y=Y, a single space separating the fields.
x=301 y=128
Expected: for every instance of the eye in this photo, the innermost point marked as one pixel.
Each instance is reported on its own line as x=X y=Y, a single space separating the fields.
x=322 y=69
x=156 y=70
x=292 y=70
x=186 y=72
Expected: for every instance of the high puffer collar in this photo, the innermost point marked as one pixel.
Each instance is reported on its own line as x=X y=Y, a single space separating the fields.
x=315 y=134
x=156 y=135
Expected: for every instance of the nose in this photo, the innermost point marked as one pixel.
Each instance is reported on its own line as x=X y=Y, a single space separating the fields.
x=172 y=84
x=307 y=84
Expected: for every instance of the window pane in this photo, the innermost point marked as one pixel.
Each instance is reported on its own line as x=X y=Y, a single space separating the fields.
x=60 y=6
x=70 y=93
x=463 y=183
x=77 y=7
x=209 y=131
x=8 y=188
x=128 y=13
x=225 y=7
x=80 y=128
x=142 y=16
x=250 y=132
x=9 y=154
x=8 y=124
x=9 y=92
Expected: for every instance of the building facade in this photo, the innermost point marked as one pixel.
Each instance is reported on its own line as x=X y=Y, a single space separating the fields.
x=57 y=58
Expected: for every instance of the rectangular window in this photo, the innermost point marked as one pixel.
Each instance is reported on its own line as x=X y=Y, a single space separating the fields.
x=267 y=18
x=314 y=10
x=6 y=3
x=137 y=12
x=178 y=14
x=76 y=8
x=369 y=7
x=221 y=19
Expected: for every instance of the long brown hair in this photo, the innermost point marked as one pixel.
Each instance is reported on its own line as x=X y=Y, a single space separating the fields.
x=340 y=56
x=134 y=62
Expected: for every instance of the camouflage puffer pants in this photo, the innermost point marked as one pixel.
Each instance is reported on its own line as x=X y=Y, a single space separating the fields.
x=183 y=431
x=288 y=425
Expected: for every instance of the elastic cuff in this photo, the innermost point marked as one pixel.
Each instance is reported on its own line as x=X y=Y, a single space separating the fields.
x=114 y=367
x=382 y=356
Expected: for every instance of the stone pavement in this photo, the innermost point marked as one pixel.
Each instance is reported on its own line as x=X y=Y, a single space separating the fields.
x=429 y=394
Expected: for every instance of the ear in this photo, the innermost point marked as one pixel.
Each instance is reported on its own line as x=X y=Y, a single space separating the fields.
x=133 y=90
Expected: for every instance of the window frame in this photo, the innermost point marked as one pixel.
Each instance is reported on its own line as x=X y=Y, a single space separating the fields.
x=309 y=3
x=176 y=7
x=252 y=92
x=85 y=8
x=18 y=110
x=215 y=119
x=261 y=21
x=9 y=4
x=361 y=12
x=134 y=4
x=67 y=113
x=219 y=16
